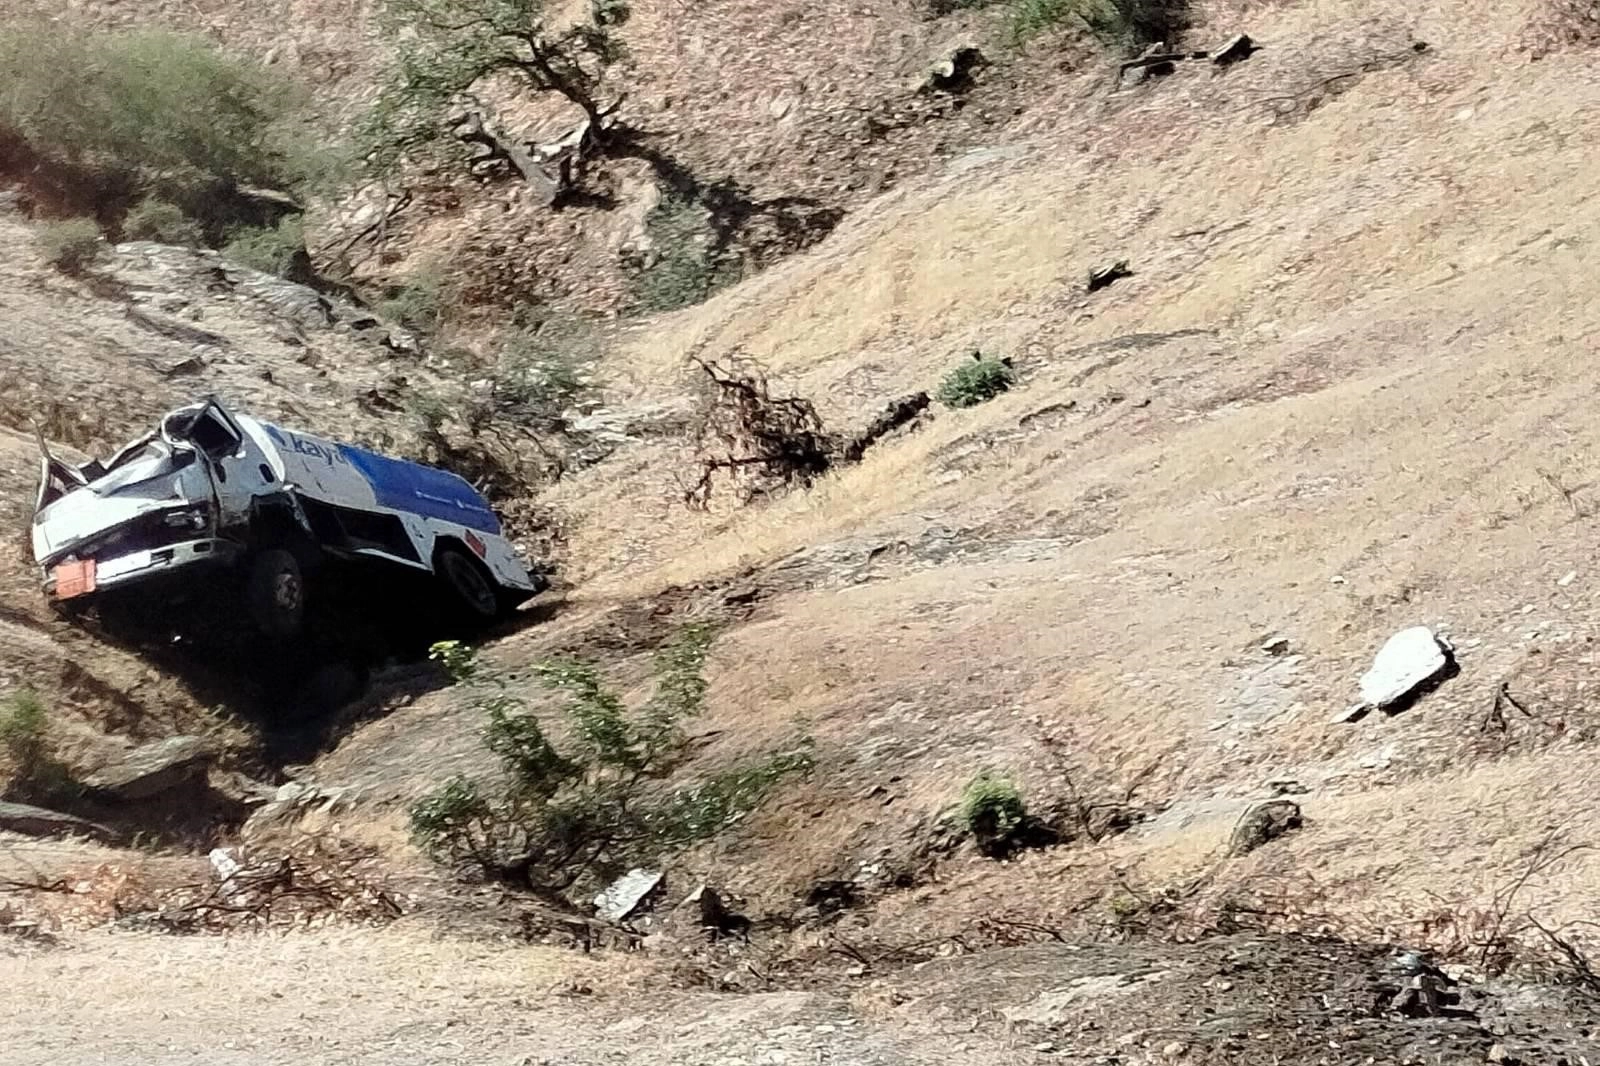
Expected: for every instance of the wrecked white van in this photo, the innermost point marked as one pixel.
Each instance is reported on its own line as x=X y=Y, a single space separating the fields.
x=210 y=491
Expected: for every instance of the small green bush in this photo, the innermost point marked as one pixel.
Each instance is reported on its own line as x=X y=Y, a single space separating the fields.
x=419 y=302
x=1030 y=18
x=70 y=245
x=685 y=269
x=161 y=221
x=981 y=378
x=36 y=776
x=993 y=810
x=1131 y=24
x=271 y=250
x=22 y=727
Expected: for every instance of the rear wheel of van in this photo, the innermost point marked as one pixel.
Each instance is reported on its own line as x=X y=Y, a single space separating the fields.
x=275 y=591
x=471 y=589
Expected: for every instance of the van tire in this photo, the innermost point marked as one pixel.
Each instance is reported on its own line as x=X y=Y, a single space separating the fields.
x=275 y=592
x=473 y=593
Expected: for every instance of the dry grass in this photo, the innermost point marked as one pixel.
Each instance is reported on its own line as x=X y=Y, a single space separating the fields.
x=1398 y=281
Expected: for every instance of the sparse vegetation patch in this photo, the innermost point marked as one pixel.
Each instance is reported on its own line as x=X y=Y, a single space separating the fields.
x=70 y=245
x=683 y=267
x=162 y=221
x=169 y=106
x=279 y=249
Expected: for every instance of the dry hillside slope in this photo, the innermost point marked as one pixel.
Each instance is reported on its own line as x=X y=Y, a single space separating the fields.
x=1345 y=391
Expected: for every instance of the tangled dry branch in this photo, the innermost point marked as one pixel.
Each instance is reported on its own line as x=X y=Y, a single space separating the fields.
x=759 y=441
x=309 y=880
x=764 y=443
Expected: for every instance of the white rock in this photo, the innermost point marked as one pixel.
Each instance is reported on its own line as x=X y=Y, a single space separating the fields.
x=1411 y=658
x=626 y=893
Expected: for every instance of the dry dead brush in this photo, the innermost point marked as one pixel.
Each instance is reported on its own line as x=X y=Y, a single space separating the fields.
x=763 y=443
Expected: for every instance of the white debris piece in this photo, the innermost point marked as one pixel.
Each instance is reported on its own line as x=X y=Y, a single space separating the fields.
x=1410 y=659
x=225 y=866
x=623 y=896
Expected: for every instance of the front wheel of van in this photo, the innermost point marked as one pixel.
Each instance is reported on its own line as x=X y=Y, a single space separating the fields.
x=468 y=583
x=275 y=590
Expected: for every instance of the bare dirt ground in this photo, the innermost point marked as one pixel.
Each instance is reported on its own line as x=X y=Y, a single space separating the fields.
x=1345 y=391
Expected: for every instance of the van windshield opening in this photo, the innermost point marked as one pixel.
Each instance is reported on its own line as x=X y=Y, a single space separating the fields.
x=212 y=436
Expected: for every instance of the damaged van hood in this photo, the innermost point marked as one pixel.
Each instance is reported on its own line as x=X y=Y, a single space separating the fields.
x=137 y=488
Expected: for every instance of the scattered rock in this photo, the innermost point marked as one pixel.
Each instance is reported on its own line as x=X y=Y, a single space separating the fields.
x=1353 y=713
x=714 y=916
x=173 y=329
x=226 y=868
x=627 y=894
x=153 y=768
x=1287 y=786
x=1413 y=662
x=293 y=798
x=1275 y=646
x=831 y=897
x=1235 y=49
x=37 y=821
x=953 y=73
x=192 y=365
x=1100 y=277
x=1263 y=823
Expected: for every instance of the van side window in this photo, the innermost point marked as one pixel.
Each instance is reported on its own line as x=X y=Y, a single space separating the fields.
x=212 y=437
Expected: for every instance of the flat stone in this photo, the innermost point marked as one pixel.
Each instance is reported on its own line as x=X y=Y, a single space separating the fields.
x=153 y=768
x=1263 y=823
x=39 y=821
x=1408 y=661
x=624 y=895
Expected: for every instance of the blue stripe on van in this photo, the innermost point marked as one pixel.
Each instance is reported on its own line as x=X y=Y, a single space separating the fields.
x=423 y=490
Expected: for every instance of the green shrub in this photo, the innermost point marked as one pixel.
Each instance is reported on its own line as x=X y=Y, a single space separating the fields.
x=419 y=302
x=1128 y=23
x=161 y=221
x=1030 y=18
x=36 y=776
x=993 y=811
x=537 y=376
x=69 y=245
x=153 y=101
x=272 y=250
x=601 y=801
x=685 y=269
x=22 y=727
x=979 y=379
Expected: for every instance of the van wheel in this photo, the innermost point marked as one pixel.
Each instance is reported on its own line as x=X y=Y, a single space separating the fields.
x=469 y=585
x=275 y=591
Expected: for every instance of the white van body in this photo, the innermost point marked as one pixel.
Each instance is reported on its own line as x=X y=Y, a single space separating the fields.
x=209 y=488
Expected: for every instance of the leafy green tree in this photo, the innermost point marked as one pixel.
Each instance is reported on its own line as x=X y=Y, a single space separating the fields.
x=449 y=49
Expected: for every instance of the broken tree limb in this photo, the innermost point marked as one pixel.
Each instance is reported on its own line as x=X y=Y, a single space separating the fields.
x=898 y=413
x=468 y=128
